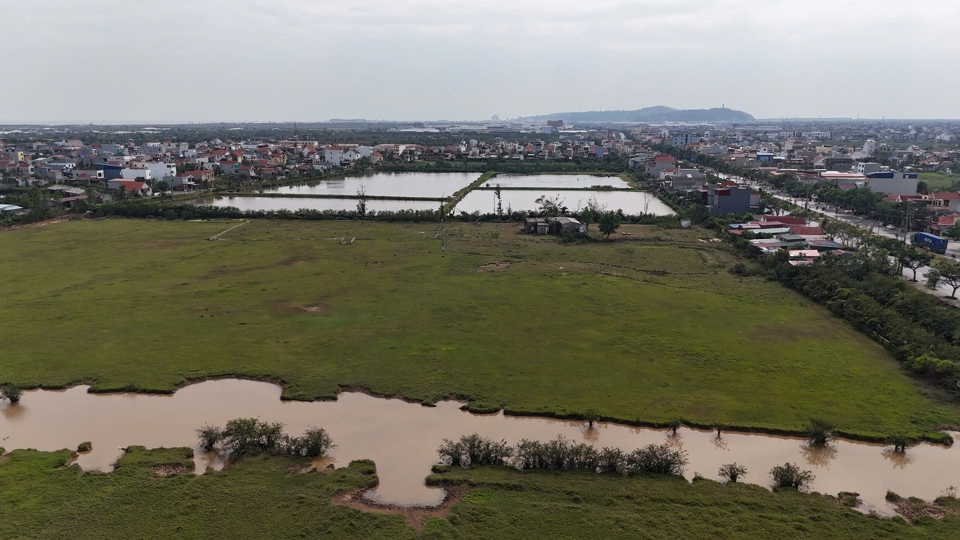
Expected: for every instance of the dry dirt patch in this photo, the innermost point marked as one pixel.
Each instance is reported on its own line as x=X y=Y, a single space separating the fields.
x=414 y=514
x=494 y=267
x=171 y=469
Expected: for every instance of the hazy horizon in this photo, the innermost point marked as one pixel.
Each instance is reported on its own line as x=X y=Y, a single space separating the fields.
x=133 y=62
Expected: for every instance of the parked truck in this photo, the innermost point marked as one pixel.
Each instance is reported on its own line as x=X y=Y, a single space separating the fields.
x=930 y=242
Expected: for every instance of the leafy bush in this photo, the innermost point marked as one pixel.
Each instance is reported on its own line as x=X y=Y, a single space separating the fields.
x=819 y=432
x=249 y=436
x=85 y=447
x=12 y=392
x=656 y=459
x=732 y=471
x=210 y=436
x=610 y=460
x=899 y=441
x=790 y=475
x=474 y=450
x=314 y=443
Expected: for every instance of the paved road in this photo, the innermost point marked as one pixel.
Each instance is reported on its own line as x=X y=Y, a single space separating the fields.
x=876 y=227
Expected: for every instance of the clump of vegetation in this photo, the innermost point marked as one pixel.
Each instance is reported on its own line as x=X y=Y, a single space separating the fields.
x=819 y=432
x=900 y=442
x=85 y=447
x=556 y=455
x=893 y=497
x=675 y=424
x=561 y=454
x=732 y=472
x=209 y=436
x=11 y=391
x=657 y=459
x=249 y=436
x=609 y=223
x=849 y=499
x=591 y=416
x=315 y=442
x=789 y=475
x=474 y=450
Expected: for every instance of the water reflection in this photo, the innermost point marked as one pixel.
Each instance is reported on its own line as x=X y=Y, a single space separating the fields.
x=899 y=459
x=675 y=440
x=387 y=185
x=719 y=443
x=293 y=204
x=402 y=438
x=555 y=181
x=631 y=202
x=819 y=455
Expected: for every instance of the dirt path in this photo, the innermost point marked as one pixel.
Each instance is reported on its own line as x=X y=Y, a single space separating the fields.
x=221 y=233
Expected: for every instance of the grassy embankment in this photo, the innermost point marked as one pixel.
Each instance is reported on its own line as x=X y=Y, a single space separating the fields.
x=668 y=333
x=458 y=196
x=260 y=498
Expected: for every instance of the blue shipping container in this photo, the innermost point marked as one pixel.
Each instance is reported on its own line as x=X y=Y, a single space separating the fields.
x=931 y=242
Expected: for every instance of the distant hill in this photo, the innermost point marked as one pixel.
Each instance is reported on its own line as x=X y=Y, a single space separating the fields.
x=649 y=114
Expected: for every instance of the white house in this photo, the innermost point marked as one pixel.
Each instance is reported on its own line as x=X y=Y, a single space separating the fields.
x=134 y=174
x=333 y=155
x=162 y=171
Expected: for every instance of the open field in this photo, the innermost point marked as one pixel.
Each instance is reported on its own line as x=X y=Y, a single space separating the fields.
x=939 y=181
x=261 y=498
x=501 y=318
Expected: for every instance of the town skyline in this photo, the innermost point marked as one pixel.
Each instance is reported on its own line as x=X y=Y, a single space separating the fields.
x=254 y=60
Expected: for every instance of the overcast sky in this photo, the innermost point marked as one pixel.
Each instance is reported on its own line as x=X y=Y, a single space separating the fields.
x=307 y=60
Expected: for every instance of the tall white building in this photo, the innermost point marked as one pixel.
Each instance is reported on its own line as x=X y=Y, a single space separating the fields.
x=870 y=147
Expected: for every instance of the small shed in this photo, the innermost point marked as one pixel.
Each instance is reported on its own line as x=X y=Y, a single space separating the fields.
x=564 y=225
x=536 y=226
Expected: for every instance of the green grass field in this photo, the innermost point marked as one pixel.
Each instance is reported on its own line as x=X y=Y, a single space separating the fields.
x=939 y=181
x=668 y=332
x=259 y=498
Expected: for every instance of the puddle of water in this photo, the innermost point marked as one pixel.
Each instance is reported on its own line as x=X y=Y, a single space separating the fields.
x=294 y=204
x=556 y=181
x=402 y=438
x=433 y=185
x=631 y=202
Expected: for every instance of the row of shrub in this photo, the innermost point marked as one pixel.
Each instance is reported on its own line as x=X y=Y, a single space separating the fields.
x=561 y=454
x=249 y=436
x=144 y=210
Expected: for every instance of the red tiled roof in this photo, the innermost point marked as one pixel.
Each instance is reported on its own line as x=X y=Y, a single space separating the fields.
x=947 y=196
x=132 y=185
x=806 y=231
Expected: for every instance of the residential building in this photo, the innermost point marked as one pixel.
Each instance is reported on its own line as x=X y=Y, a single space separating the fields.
x=893 y=183
x=727 y=200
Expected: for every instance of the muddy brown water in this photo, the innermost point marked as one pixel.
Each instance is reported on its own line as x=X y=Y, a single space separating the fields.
x=402 y=438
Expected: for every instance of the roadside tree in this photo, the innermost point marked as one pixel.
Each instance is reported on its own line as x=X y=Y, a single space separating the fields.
x=914 y=259
x=948 y=273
